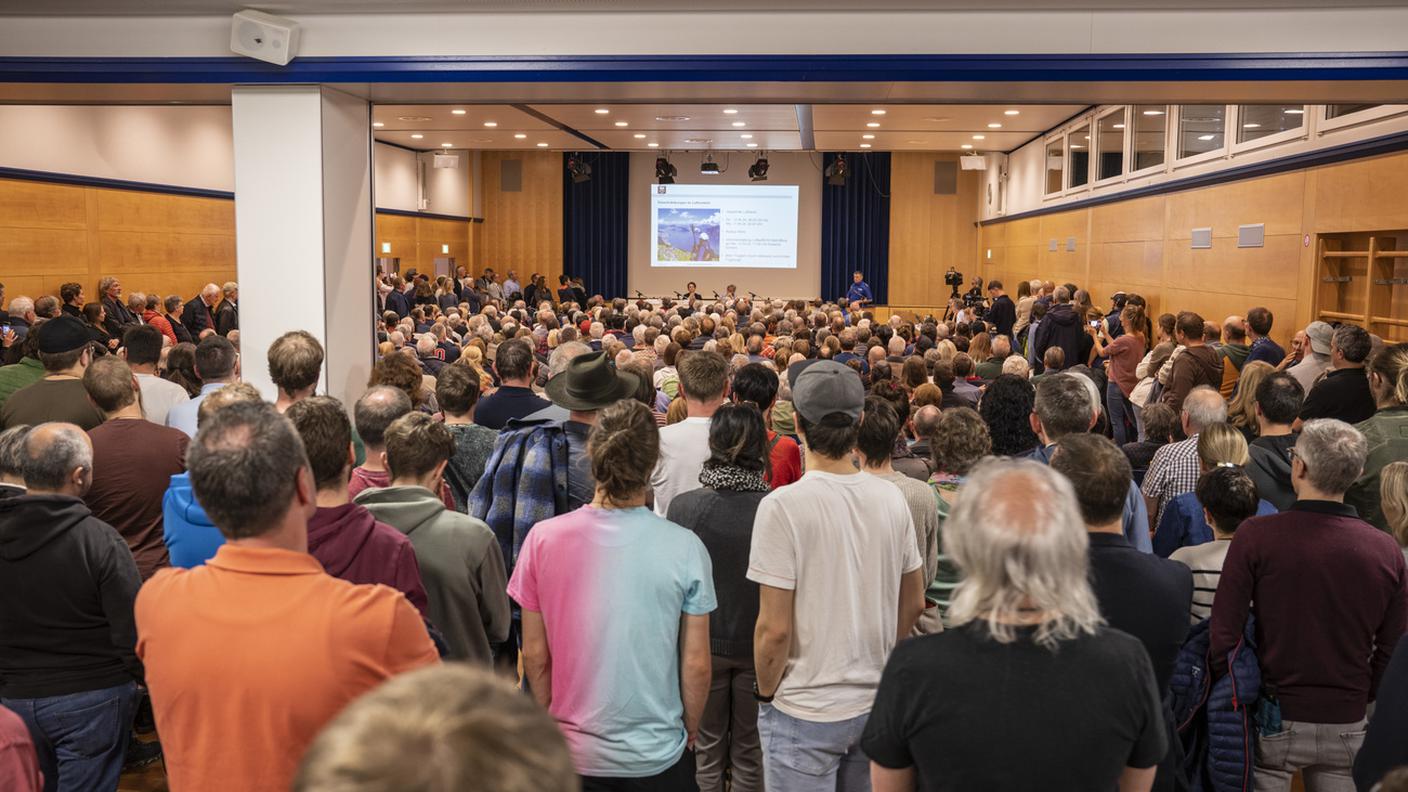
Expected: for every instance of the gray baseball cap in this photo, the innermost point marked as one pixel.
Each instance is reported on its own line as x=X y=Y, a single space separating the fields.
x=822 y=387
x=1319 y=334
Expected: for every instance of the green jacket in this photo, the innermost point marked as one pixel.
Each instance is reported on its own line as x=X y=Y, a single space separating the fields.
x=22 y=374
x=1387 y=433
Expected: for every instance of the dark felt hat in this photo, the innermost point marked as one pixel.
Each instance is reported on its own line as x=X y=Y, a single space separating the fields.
x=590 y=382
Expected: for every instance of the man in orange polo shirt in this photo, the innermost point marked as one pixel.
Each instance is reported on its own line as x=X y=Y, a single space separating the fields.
x=250 y=655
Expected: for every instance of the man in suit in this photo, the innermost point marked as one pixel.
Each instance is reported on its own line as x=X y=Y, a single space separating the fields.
x=227 y=316
x=396 y=298
x=119 y=318
x=199 y=313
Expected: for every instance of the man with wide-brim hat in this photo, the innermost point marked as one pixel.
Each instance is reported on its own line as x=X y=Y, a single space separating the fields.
x=589 y=383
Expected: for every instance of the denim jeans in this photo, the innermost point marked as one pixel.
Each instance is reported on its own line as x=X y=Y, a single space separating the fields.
x=1122 y=415
x=1323 y=752
x=728 y=732
x=805 y=756
x=81 y=738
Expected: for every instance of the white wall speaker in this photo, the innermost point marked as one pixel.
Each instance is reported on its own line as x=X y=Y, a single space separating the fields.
x=446 y=161
x=973 y=162
x=265 y=37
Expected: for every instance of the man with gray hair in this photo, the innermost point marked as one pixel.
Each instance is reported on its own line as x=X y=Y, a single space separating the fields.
x=1062 y=328
x=1175 y=468
x=12 y=461
x=1343 y=392
x=22 y=316
x=199 y=313
x=1330 y=606
x=67 y=584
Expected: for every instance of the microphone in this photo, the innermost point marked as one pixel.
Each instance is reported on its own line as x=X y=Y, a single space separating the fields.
x=638 y=294
x=678 y=296
x=716 y=294
x=751 y=294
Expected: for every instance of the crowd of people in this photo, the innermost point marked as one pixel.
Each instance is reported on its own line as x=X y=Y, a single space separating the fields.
x=565 y=542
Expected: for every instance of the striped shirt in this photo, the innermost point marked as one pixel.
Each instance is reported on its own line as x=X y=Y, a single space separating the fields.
x=1205 y=560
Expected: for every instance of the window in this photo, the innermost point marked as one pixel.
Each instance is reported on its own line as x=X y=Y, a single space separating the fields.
x=1111 y=142
x=1335 y=111
x=1150 y=127
x=1200 y=129
x=1258 y=121
x=1078 y=152
x=1055 y=166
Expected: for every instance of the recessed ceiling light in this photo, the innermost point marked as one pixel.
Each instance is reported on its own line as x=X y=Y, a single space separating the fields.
x=1206 y=137
x=483 y=140
x=746 y=136
x=966 y=146
x=1293 y=111
x=867 y=137
x=412 y=118
x=378 y=124
x=1251 y=126
x=491 y=123
x=653 y=145
x=1076 y=146
x=1011 y=112
x=740 y=123
x=447 y=145
x=672 y=118
x=873 y=124
x=520 y=136
x=877 y=112
x=865 y=145
x=542 y=145
x=458 y=112
x=752 y=145
x=730 y=111
x=994 y=125
x=980 y=137
x=602 y=111
x=623 y=123
x=639 y=136
x=938 y=119
x=699 y=140
x=417 y=137
x=1153 y=112
x=1119 y=126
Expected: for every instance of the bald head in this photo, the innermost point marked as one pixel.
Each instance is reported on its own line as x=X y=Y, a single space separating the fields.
x=1202 y=408
x=1234 y=330
x=210 y=294
x=926 y=418
x=58 y=460
x=376 y=410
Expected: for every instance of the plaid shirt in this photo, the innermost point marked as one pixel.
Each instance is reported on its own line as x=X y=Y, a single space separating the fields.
x=1173 y=471
x=524 y=483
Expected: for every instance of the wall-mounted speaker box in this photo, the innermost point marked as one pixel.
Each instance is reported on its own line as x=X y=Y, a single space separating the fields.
x=1201 y=238
x=945 y=178
x=511 y=175
x=447 y=161
x=1070 y=244
x=973 y=162
x=265 y=37
x=1052 y=246
x=1251 y=236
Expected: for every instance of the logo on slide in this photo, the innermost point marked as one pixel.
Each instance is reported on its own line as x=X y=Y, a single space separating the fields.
x=659 y=189
x=687 y=234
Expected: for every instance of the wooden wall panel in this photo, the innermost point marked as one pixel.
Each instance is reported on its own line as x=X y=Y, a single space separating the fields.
x=522 y=230
x=1368 y=195
x=168 y=244
x=418 y=241
x=929 y=233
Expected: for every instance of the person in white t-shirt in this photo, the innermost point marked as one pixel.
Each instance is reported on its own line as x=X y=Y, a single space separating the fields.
x=685 y=445
x=141 y=346
x=841 y=581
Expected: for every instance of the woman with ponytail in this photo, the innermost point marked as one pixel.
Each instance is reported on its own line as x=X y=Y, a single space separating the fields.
x=1124 y=354
x=616 y=604
x=1386 y=431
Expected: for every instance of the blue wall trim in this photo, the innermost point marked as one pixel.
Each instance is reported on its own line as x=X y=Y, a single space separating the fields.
x=115 y=184
x=1373 y=147
x=716 y=68
x=431 y=215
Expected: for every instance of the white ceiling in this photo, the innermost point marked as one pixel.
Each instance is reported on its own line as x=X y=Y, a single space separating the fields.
x=301 y=7
x=722 y=127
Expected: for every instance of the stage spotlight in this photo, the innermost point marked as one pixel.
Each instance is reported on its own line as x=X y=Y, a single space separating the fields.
x=836 y=172
x=664 y=171
x=578 y=170
x=759 y=170
x=708 y=167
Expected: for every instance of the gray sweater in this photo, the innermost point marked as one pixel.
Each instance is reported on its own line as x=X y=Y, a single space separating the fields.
x=460 y=564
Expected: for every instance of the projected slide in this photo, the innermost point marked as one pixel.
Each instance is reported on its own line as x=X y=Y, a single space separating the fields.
x=724 y=225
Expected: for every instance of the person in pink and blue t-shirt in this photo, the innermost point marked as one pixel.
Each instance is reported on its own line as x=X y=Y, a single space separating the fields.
x=616 y=604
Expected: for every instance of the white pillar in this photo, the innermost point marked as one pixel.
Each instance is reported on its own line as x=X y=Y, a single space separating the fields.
x=303 y=229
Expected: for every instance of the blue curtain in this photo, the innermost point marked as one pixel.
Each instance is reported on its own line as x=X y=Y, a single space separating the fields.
x=594 y=221
x=855 y=225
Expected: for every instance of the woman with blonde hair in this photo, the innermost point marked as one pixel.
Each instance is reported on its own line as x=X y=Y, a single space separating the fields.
x=1393 y=497
x=980 y=348
x=473 y=359
x=1026 y=626
x=1241 y=411
x=1183 y=524
x=946 y=350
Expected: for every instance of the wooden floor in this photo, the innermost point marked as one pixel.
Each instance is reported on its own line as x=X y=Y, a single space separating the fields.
x=151 y=778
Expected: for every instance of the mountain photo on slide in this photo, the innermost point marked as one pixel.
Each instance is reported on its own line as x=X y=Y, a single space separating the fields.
x=687 y=234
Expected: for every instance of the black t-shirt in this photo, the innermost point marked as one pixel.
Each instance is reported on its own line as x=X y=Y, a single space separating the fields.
x=969 y=713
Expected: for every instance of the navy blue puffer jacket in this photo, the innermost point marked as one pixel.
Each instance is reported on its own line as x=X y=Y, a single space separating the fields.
x=1214 y=710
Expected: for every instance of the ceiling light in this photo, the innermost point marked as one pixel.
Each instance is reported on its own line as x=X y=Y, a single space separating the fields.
x=1118 y=126
x=701 y=141
x=740 y=123
x=417 y=137
x=378 y=124
x=653 y=145
x=980 y=137
x=746 y=136
x=1206 y=137
x=708 y=167
x=865 y=145
x=623 y=123
x=1153 y=112
x=1293 y=111
x=877 y=112
x=938 y=119
x=867 y=137
x=672 y=118
x=1251 y=126
x=491 y=124
x=758 y=171
x=542 y=145
x=639 y=136
x=873 y=124
x=916 y=142
x=458 y=112
x=752 y=145
x=966 y=146
x=412 y=118
x=520 y=136
x=664 y=171
x=602 y=111
x=1011 y=112
x=994 y=125
x=730 y=111
x=447 y=145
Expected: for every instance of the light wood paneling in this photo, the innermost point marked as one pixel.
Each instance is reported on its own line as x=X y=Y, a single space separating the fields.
x=418 y=241
x=522 y=231
x=168 y=244
x=928 y=233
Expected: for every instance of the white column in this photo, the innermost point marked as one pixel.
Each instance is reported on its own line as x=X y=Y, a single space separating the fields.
x=303 y=229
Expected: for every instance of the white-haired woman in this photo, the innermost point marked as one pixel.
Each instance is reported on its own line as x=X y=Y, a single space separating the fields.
x=1028 y=690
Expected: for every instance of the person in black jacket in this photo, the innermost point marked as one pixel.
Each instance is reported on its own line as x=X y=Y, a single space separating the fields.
x=1061 y=327
x=67 y=633
x=119 y=318
x=169 y=308
x=735 y=481
x=227 y=316
x=1003 y=312
x=1386 y=741
x=199 y=313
